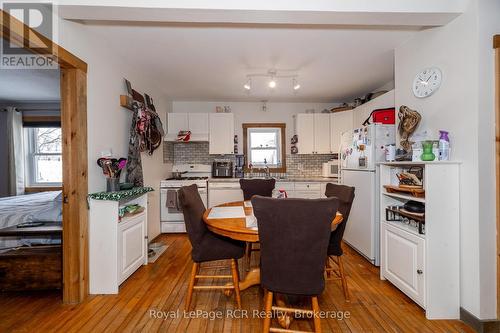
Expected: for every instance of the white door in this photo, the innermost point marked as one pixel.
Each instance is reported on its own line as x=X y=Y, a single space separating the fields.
x=132 y=243
x=340 y=122
x=221 y=133
x=402 y=261
x=360 y=228
x=322 y=133
x=198 y=123
x=177 y=122
x=305 y=133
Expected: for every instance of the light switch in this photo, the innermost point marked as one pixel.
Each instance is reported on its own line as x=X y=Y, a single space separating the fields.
x=107 y=153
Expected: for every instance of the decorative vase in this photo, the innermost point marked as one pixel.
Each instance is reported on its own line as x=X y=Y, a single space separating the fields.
x=428 y=155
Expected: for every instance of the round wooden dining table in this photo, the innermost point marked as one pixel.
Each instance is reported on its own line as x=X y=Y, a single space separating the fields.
x=236 y=228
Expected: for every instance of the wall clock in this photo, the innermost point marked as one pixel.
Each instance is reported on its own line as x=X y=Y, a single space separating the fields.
x=427 y=82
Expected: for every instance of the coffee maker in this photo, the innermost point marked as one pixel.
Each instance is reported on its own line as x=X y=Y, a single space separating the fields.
x=239 y=166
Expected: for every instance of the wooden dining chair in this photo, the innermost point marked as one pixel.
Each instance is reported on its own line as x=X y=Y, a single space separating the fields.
x=207 y=246
x=345 y=194
x=294 y=235
x=251 y=187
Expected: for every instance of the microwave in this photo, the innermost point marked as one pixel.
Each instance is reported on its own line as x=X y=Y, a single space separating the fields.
x=331 y=169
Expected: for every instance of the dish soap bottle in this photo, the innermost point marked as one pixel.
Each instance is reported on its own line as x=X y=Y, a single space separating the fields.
x=444 y=146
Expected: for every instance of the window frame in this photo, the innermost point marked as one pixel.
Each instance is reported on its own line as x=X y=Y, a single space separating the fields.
x=31 y=165
x=281 y=148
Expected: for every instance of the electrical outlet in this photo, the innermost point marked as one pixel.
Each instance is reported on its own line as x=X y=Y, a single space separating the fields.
x=107 y=153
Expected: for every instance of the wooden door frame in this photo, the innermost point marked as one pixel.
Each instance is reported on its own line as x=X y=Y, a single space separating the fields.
x=74 y=152
x=496 y=46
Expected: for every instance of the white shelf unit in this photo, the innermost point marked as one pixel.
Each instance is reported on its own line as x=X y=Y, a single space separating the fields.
x=116 y=248
x=425 y=267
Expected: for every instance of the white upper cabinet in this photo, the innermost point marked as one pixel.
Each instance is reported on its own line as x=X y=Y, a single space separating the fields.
x=176 y=122
x=340 y=122
x=197 y=123
x=322 y=133
x=313 y=131
x=221 y=133
x=305 y=133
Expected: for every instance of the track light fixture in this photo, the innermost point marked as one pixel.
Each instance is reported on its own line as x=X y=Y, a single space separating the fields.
x=273 y=76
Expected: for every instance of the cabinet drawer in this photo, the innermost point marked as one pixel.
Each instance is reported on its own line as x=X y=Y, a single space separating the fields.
x=307 y=194
x=308 y=187
x=287 y=186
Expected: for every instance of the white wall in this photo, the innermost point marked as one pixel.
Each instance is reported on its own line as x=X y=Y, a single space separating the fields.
x=108 y=123
x=464 y=106
x=251 y=112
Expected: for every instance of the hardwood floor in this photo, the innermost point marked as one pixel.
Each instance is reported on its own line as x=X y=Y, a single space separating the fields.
x=376 y=306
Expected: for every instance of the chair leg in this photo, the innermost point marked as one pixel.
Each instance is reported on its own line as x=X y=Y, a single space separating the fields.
x=248 y=255
x=268 y=311
x=192 y=279
x=316 y=318
x=343 y=278
x=236 y=281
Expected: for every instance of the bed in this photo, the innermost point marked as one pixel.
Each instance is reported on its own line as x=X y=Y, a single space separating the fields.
x=43 y=207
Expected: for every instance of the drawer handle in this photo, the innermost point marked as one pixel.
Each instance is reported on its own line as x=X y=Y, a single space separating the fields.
x=419 y=271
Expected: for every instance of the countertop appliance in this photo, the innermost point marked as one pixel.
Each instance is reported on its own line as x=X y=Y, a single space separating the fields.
x=331 y=169
x=172 y=219
x=360 y=150
x=222 y=169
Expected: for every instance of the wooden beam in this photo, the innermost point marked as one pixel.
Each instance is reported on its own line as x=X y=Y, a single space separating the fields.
x=496 y=42
x=75 y=190
x=13 y=30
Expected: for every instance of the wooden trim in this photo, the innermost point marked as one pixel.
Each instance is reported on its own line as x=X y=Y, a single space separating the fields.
x=282 y=126
x=36 y=189
x=41 y=119
x=14 y=29
x=75 y=214
x=496 y=42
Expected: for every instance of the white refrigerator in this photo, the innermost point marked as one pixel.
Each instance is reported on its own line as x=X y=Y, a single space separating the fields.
x=368 y=143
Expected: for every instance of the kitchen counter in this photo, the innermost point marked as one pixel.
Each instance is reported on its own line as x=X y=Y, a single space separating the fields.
x=288 y=179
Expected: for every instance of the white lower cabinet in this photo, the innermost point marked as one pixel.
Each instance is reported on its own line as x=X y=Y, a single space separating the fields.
x=131 y=252
x=116 y=248
x=403 y=261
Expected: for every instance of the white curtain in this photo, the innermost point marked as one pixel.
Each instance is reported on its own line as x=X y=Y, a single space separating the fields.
x=15 y=151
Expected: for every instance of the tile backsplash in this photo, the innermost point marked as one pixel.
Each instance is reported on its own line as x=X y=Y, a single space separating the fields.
x=197 y=152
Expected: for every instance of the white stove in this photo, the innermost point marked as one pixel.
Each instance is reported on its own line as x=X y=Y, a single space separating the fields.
x=172 y=219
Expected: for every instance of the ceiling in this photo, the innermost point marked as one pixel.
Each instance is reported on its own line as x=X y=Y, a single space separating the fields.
x=29 y=85
x=196 y=61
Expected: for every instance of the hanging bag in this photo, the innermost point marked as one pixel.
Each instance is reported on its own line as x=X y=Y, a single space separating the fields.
x=385 y=116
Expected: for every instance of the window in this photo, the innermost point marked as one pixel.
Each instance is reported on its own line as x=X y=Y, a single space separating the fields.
x=44 y=156
x=264 y=146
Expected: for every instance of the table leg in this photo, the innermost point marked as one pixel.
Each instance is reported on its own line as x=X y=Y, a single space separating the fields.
x=251 y=279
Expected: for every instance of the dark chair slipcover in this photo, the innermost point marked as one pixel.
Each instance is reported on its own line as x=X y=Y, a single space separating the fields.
x=294 y=236
x=262 y=187
x=345 y=194
x=207 y=246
